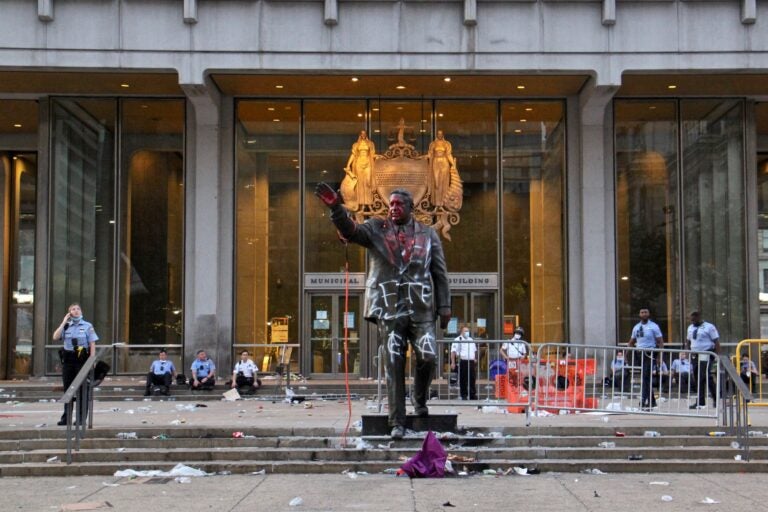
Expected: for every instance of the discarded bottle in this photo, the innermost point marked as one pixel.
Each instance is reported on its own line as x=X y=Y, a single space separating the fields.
x=619 y=434
x=607 y=444
x=127 y=435
x=635 y=456
x=755 y=433
x=717 y=434
x=651 y=433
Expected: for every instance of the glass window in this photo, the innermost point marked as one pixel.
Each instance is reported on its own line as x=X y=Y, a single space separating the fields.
x=713 y=213
x=533 y=172
x=330 y=130
x=681 y=219
x=151 y=225
x=761 y=128
x=647 y=214
x=268 y=209
x=471 y=128
x=82 y=213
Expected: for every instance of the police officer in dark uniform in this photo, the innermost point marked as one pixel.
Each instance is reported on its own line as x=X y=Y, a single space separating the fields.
x=79 y=339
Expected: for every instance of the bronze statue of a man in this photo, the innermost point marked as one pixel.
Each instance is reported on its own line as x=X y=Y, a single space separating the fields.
x=406 y=289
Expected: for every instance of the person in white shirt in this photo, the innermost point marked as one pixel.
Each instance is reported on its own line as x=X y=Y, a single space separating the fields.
x=702 y=337
x=515 y=348
x=244 y=374
x=465 y=350
x=681 y=371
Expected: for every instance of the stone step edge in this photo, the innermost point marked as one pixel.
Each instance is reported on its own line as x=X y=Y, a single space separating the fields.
x=330 y=467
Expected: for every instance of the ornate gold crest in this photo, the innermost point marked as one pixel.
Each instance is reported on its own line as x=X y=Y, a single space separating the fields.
x=433 y=179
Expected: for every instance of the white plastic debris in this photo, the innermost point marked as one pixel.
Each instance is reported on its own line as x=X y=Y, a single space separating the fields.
x=709 y=501
x=666 y=497
x=658 y=483
x=593 y=471
x=737 y=458
x=607 y=444
x=521 y=471
x=296 y=502
x=491 y=409
x=127 y=435
x=108 y=484
x=52 y=460
x=362 y=444
x=261 y=472
x=178 y=470
x=183 y=480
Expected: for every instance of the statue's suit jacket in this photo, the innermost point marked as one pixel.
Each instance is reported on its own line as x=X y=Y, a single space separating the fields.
x=417 y=288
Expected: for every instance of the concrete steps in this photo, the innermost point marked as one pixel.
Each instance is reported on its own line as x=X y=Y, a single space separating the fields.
x=317 y=450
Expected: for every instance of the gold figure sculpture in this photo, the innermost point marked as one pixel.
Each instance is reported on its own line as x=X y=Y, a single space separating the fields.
x=441 y=163
x=359 y=173
x=433 y=179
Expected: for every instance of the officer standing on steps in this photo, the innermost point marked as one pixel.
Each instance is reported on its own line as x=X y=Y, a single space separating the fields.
x=406 y=290
x=702 y=336
x=647 y=336
x=79 y=343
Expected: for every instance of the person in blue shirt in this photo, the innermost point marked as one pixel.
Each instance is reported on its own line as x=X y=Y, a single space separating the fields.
x=646 y=335
x=620 y=378
x=78 y=339
x=161 y=373
x=203 y=372
x=681 y=372
x=702 y=337
x=660 y=375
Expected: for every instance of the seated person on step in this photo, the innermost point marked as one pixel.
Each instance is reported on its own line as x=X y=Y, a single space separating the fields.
x=748 y=372
x=244 y=375
x=660 y=375
x=203 y=372
x=681 y=373
x=620 y=377
x=160 y=376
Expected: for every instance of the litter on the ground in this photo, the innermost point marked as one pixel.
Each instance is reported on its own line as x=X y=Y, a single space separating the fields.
x=521 y=471
x=666 y=497
x=658 y=483
x=709 y=501
x=593 y=471
x=260 y=472
x=182 y=480
x=52 y=460
x=296 y=502
x=178 y=470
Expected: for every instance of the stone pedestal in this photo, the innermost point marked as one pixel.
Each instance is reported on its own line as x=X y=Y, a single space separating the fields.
x=376 y=424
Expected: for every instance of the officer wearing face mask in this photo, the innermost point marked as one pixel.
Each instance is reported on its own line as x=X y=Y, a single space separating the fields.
x=515 y=348
x=78 y=338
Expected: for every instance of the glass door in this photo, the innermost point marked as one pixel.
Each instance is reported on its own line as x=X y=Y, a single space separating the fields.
x=330 y=318
x=476 y=310
x=21 y=181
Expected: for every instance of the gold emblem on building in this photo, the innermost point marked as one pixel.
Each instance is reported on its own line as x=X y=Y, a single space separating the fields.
x=433 y=178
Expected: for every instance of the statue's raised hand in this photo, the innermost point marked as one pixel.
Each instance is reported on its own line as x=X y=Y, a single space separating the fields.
x=327 y=195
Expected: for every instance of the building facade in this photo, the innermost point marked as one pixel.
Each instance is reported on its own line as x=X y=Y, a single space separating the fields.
x=159 y=159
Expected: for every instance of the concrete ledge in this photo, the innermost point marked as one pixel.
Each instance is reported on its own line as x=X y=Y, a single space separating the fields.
x=377 y=425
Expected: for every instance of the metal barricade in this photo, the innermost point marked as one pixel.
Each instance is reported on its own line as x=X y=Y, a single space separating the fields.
x=667 y=382
x=499 y=383
x=751 y=361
